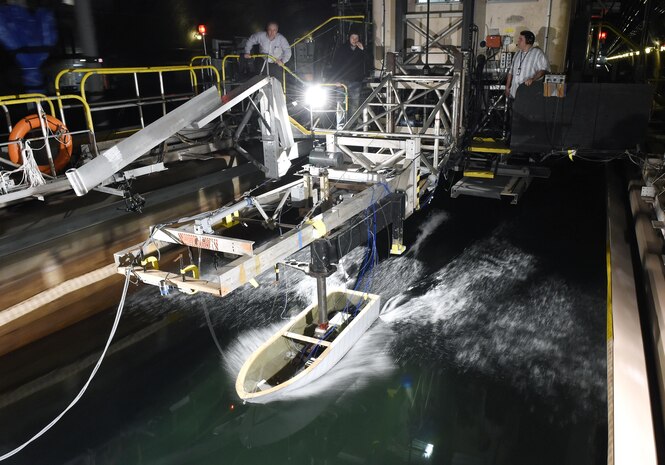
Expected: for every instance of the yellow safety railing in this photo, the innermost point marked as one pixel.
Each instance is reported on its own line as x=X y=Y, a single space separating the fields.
x=8 y=100
x=285 y=69
x=299 y=126
x=202 y=58
x=346 y=92
x=28 y=96
x=226 y=57
x=135 y=71
x=160 y=70
x=22 y=99
x=87 y=72
x=354 y=19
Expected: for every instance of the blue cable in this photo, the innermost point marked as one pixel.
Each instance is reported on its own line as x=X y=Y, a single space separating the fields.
x=386 y=187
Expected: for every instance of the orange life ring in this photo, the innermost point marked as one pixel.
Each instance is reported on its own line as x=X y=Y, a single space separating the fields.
x=31 y=122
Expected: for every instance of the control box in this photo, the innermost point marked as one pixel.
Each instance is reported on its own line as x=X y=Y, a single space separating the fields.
x=555 y=85
x=493 y=41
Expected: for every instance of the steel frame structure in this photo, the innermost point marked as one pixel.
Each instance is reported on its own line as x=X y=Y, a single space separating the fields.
x=383 y=132
x=383 y=151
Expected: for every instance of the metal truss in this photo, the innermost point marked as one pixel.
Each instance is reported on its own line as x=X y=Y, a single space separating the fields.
x=426 y=109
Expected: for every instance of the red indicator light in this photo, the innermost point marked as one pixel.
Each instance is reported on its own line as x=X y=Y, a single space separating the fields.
x=202 y=29
x=602 y=35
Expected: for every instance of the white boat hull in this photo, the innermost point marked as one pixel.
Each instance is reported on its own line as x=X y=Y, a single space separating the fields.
x=260 y=378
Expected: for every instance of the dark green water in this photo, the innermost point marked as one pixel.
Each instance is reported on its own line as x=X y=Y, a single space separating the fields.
x=490 y=349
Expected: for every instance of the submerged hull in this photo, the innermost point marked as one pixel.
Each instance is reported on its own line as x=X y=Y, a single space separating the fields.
x=293 y=358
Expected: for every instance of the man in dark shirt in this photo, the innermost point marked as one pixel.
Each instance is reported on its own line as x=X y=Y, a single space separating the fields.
x=349 y=68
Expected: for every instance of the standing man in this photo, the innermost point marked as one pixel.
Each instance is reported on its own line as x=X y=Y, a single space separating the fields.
x=270 y=43
x=529 y=64
x=349 y=68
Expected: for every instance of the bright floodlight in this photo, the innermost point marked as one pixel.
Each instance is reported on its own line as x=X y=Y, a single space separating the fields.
x=428 y=451
x=315 y=96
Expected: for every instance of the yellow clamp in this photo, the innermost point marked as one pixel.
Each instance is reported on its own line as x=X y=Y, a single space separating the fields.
x=397 y=249
x=232 y=219
x=152 y=261
x=319 y=226
x=195 y=274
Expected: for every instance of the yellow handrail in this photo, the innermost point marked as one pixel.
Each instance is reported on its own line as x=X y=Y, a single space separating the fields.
x=141 y=70
x=346 y=92
x=202 y=58
x=84 y=103
x=343 y=18
x=285 y=68
x=300 y=127
x=27 y=96
x=161 y=69
x=226 y=57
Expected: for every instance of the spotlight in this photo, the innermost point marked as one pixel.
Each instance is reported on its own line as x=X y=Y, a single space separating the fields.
x=428 y=451
x=316 y=96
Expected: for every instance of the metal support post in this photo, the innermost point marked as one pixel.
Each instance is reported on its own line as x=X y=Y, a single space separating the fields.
x=324 y=187
x=43 y=125
x=321 y=295
x=321 y=256
x=397 y=247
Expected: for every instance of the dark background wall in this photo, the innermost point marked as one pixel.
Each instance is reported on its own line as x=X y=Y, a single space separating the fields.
x=152 y=32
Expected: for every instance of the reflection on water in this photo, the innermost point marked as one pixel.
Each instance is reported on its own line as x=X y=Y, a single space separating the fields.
x=485 y=358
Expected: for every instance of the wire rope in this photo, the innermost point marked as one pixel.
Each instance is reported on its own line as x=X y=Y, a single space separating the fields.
x=116 y=321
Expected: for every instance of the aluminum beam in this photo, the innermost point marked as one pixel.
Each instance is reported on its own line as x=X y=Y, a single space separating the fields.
x=96 y=171
x=204 y=241
x=243 y=269
x=233 y=98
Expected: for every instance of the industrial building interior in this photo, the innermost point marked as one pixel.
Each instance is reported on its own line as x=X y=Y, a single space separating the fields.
x=464 y=278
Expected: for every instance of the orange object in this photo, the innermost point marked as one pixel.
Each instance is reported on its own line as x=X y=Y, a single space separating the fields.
x=31 y=122
x=493 y=41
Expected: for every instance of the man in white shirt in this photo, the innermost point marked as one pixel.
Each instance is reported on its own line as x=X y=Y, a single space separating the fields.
x=529 y=64
x=270 y=43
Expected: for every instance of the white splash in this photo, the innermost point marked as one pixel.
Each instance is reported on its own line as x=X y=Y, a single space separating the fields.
x=487 y=312
x=433 y=221
x=486 y=267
